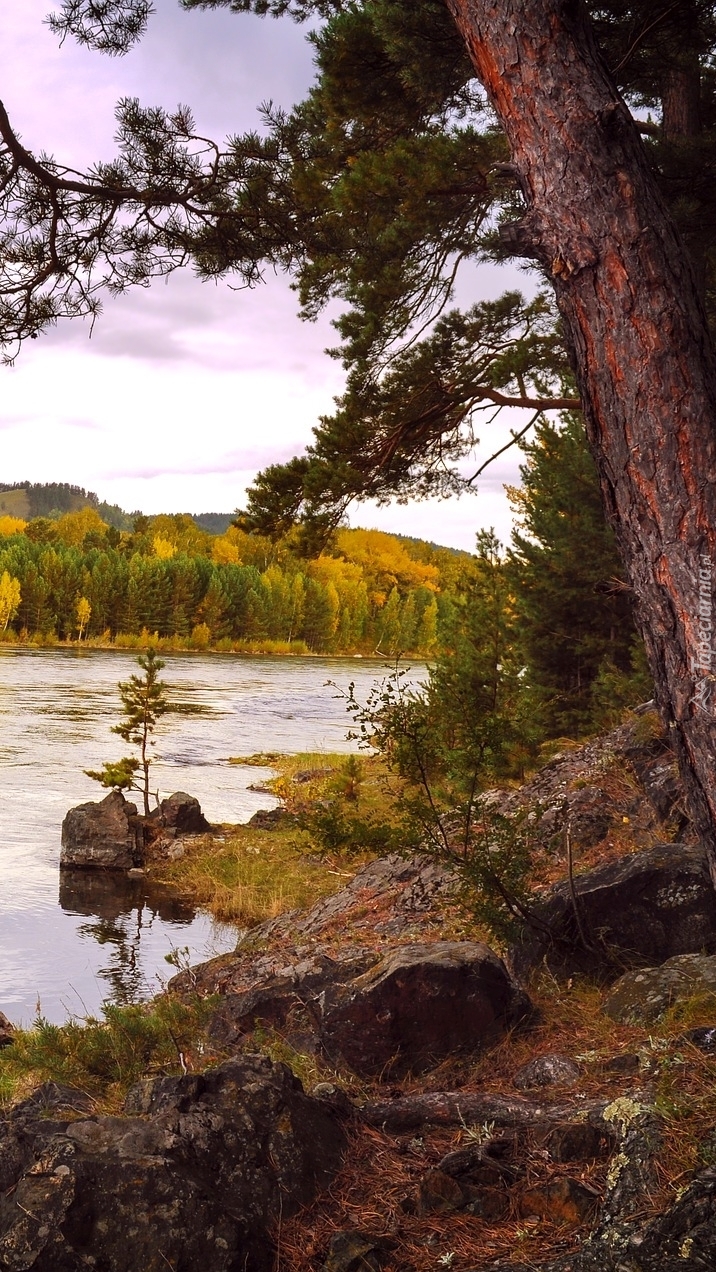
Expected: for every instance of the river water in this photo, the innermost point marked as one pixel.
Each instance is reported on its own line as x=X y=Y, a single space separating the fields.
x=72 y=940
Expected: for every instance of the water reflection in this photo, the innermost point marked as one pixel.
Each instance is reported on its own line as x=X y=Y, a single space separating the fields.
x=111 y=895
x=110 y=937
x=125 y=910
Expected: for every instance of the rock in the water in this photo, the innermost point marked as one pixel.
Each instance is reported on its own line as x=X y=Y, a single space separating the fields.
x=638 y=911
x=546 y=1071
x=419 y=1004
x=646 y=994
x=196 y=1175
x=108 y=835
x=181 y=813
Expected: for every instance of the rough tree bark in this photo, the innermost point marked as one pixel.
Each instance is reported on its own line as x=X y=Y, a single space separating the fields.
x=642 y=352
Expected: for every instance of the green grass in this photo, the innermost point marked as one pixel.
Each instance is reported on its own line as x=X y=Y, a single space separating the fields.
x=105 y=1057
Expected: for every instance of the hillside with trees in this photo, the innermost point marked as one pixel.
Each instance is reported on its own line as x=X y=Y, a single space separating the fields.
x=75 y=576
x=542 y=628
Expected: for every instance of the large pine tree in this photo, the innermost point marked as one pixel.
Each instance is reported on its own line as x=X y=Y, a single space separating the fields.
x=390 y=174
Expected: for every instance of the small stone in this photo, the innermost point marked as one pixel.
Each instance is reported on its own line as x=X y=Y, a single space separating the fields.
x=703 y=1038
x=578 y=1142
x=353 y=1251
x=303 y=776
x=270 y=819
x=627 y=1063
x=490 y=1204
x=479 y=1164
x=182 y=814
x=547 y=1071
x=564 y=1201
x=439 y=1194
x=334 y=1096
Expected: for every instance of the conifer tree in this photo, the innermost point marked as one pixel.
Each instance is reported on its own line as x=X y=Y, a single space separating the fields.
x=144 y=702
x=387 y=176
x=573 y=608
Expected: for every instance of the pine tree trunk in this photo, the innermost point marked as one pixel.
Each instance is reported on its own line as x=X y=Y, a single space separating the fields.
x=642 y=353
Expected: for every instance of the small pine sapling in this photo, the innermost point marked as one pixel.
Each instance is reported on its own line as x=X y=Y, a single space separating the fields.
x=144 y=702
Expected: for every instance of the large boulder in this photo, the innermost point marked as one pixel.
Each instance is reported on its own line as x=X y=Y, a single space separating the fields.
x=634 y=912
x=287 y=993
x=647 y=993
x=418 y=1005
x=197 y=1174
x=404 y=1012
x=107 y=834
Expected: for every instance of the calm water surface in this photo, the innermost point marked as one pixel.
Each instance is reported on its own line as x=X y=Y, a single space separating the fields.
x=69 y=942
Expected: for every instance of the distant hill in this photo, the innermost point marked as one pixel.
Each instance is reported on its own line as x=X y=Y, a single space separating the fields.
x=52 y=499
x=213 y=522
x=27 y=499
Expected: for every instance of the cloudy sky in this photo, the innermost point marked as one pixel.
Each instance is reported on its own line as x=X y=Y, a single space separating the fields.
x=186 y=389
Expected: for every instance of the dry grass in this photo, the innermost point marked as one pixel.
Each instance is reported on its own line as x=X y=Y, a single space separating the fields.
x=252 y=875
x=391 y=1166
x=381 y=1170
x=248 y=875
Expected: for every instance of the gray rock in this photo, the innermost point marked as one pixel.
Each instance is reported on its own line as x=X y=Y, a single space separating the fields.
x=353 y=1251
x=418 y=1005
x=181 y=813
x=683 y=1239
x=547 y=1071
x=637 y=911
x=647 y=993
x=404 y=1012
x=287 y=995
x=271 y=819
x=107 y=835
x=196 y=1174
x=703 y=1038
x=7 y=1031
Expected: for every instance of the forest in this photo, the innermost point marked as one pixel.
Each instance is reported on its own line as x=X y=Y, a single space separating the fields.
x=547 y=618
x=76 y=577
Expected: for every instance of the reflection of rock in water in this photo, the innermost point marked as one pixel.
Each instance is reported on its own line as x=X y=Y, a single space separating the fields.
x=111 y=894
x=123 y=909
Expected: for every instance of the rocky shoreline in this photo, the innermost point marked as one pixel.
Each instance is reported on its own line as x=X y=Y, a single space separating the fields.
x=458 y=1109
